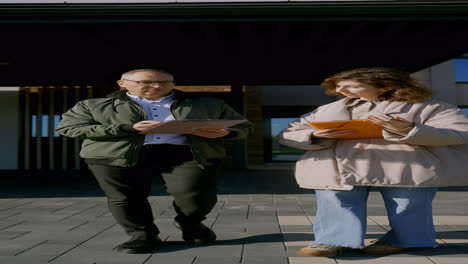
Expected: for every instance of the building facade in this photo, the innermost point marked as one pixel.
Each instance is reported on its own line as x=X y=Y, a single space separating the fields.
x=30 y=114
x=265 y=58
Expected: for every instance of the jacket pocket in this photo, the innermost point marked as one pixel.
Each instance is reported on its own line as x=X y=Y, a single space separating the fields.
x=105 y=149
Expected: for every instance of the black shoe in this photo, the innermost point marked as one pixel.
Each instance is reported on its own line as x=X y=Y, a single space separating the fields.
x=196 y=234
x=139 y=244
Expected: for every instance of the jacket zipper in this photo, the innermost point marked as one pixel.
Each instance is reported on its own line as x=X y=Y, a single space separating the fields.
x=137 y=143
x=194 y=153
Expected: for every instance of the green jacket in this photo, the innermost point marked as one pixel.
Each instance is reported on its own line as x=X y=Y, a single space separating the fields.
x=106 y=125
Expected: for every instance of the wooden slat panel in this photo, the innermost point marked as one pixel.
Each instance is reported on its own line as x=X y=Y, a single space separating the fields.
x=27 y=128
x=90 y=91
x=65 y=139
x=47 y=95
x=50 y=128
x=77 y=141
x=205 y=88
x=40 y=96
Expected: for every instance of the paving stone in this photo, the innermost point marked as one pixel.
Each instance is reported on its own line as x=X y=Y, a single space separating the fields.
x=50 y=248
x=170 y=259
x=15 y=204
x=11 y=234
x=253 y=213
x=451 y=220
x=25 y=260
x=214 y=260
x=287 y=211
x=224 y=248
x=311 y=260
x=230 y=219
x=293 y=220
x=16 y=247
x=266 y=248
x=456 y=259
x=262 y=228
x=252 y=227
x=392 y=259
x=296 y=228
x=8 y=224
x=229 y=228
x=101 y=257
x=375 y=229
x=264 y=259
x=52 y=226
x=301 y=239
x=444 y=249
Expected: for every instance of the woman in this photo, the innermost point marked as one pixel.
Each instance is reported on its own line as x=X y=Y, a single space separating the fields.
x=424 y=146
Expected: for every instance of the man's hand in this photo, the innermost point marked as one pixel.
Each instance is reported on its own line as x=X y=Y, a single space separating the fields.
x=145 y=125
x=209 y=132
x=333 y=133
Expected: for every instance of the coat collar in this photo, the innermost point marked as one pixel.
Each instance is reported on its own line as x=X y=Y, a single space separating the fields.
x=339 y=109
x=122 y=94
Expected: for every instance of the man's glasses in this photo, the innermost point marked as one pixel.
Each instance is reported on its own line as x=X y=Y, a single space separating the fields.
x=148 y=83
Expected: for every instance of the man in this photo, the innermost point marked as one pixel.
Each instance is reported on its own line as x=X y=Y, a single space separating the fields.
x=124 y=161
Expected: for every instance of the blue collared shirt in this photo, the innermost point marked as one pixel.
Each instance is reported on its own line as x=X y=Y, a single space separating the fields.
x=159 y=110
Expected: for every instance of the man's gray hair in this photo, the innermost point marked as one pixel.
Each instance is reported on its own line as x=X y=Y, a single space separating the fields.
x=129 y=74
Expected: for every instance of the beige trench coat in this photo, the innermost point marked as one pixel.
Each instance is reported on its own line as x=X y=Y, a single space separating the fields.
x=433 y=153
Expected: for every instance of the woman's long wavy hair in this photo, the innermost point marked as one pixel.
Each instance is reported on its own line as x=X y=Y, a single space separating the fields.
x=398 y=85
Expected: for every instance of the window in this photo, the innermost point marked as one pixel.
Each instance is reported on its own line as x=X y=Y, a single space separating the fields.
x=461 y=68
x=280 y=152
x=465 y=109
x=45 y=125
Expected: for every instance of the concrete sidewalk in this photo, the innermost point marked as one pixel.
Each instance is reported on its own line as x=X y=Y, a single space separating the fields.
x=261 y=217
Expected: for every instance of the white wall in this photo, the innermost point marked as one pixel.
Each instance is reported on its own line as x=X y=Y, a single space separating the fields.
x=462 y=94
x=443 y=82
x=440 y=77
x=10 y=123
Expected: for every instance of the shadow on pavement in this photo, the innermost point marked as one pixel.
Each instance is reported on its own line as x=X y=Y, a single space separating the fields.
x=44 y=184
x=445 y=249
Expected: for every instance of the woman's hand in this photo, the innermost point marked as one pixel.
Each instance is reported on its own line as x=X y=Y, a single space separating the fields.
x=333 y=133
x=145 y=125
x=392 y=124
x=209 y=132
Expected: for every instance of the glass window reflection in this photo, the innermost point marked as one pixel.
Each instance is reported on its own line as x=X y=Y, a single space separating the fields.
x=281 y=152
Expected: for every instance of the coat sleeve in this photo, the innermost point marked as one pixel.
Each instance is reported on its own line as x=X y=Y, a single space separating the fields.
x=78 y=122
x=446 y=125
x=299 y=135
x=238 y=131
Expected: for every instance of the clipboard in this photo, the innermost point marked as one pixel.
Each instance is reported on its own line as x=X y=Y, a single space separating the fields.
x=183 y=126
x=364 y=128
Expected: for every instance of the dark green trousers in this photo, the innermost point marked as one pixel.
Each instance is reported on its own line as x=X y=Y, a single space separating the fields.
x=127 y=189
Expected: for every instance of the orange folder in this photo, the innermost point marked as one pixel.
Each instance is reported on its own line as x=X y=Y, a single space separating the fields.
x=364 y=128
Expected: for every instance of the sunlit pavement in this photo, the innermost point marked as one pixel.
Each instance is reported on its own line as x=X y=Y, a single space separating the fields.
x=261 y=217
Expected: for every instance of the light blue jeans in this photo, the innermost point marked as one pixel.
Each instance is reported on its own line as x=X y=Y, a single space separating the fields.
x=341 y=216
